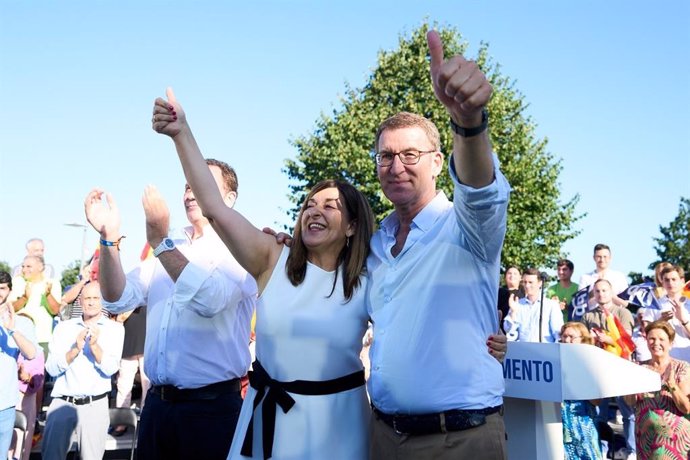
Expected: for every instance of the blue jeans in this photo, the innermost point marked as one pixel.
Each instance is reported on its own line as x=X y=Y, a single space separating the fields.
x=6 y=429
x=628 y=414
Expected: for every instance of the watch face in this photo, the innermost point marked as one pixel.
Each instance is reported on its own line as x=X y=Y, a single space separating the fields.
x=166 y=245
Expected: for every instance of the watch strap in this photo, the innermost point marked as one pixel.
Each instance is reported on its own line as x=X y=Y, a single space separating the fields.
x=470 y=132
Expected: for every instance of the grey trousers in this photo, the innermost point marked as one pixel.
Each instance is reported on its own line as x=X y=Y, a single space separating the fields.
x=89 y=421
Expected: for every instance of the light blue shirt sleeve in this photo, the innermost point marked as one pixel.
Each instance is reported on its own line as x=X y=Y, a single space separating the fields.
x=482 y=213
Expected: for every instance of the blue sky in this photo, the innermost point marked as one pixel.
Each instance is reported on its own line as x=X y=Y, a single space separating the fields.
x=608 y=84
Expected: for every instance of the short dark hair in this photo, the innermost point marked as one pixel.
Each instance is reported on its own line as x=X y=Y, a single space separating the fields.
x=513 y=266
x=532 y=271
x=6 y=278
x=602 y=280
x=567 y=263
x=601 y=246
x=229 y=174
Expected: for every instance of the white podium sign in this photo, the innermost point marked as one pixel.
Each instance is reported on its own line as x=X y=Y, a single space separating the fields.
x=538 y=376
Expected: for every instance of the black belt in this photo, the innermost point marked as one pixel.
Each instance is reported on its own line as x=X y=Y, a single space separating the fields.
x=171 y=393
x=451 y=420
x=275 y=393
x=84 y=400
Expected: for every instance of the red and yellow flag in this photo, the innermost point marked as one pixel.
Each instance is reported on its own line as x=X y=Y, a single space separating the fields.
x=623 y=344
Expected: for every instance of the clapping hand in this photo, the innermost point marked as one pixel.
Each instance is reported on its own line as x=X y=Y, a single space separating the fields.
x=94 y=333
x=157 y=215
x=81 y=339
x=7 y=316
x=104 y=218
x=680 y=312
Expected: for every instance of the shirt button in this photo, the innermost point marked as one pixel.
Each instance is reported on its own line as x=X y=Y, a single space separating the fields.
x=386 y=299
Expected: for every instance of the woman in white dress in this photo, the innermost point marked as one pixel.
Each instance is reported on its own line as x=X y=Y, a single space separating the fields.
x=307 y=398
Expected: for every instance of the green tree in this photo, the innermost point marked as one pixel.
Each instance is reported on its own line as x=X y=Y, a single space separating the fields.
x=70 y=274
x=5 y=267
x=342 y=143
x=637 y=278
x=674 y=244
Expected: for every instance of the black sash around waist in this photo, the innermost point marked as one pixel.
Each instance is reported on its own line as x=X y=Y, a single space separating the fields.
x=274 y=393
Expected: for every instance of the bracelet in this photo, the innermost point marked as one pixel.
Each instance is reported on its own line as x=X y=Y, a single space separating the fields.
x=668 y=387
x=11 y=332
x=112 y=243
x=685 y=323
x=470 y=132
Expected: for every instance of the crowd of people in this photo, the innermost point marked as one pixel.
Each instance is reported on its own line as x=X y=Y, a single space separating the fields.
x=424 y=285
x=657 y=336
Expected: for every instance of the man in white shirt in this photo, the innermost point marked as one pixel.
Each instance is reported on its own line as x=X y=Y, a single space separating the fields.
x=199 y=307
x=618 y=280
x=84 y=353
x=523 y=321
x=675 y=309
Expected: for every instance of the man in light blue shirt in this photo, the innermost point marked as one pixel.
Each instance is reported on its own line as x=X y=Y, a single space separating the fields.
x=16 y=336
x=84 y=353
x=522 y=323
x=434 y=270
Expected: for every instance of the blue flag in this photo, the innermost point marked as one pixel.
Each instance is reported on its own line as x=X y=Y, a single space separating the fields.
x=578 y=304
x=642 y=295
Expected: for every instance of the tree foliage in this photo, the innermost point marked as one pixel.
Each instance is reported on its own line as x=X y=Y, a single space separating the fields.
x=70 y=275
x=342 y=143
x=5 y=267
x=674 y=244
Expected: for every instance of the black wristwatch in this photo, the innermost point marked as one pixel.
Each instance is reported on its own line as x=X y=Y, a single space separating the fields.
x=470 y=132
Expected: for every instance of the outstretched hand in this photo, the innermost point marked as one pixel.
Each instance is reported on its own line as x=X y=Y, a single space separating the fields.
x=105 y=219
x=459 y=84
x=168 y=116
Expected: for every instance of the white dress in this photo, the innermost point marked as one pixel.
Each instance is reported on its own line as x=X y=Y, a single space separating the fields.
x=302 y=334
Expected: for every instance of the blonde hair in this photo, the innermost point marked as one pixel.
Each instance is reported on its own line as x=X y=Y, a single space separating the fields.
x=581 y=328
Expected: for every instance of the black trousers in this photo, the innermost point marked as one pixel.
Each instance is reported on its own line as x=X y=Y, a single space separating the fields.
x=189 y=429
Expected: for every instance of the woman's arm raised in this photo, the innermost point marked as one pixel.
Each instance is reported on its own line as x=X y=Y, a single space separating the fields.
x=256 y=251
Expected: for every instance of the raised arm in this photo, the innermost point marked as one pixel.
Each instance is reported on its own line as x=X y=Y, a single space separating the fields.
x=253 y=249
x=105 y=219
x=463 y=89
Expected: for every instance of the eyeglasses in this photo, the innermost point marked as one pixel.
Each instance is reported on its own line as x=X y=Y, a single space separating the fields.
x=407 y=157
x=571 y=337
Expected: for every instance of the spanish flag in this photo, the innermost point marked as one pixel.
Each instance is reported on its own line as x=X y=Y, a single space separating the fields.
x=623 y=344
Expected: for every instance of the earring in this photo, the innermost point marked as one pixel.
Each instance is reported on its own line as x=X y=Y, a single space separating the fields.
x=347 y=242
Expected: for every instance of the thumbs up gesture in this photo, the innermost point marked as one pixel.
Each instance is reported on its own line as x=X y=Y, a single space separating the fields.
x=168 y=116
x=459 y=84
